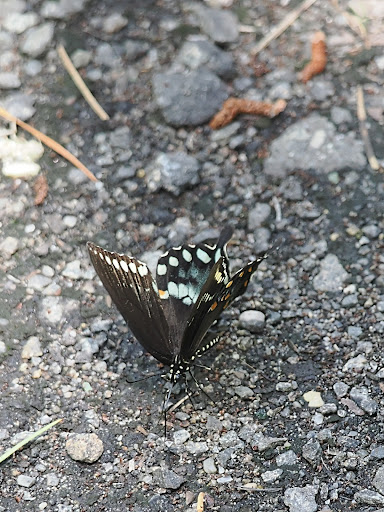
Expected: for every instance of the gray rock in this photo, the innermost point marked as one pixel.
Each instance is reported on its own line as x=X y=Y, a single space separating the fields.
x=209 y=466
x=3 y=349
x=18 y=23
x=288 y=458
x=189 y=99
x=258 y=215
x=81 y=58
x=321 y=89
x=52 y=480
x=350 y=300
x=20 y=105
x=38 y=282
x=32 y=348
x=271 y=476
x=195 y=54
x=72 y=270
x=114 y=23
x=33 y=67
x=35 y=40
x=135 y=49
x=331 y=276
x=313 y=143
x=9 y=80
x=230 y=440
x=221 y=26
x=214 y=424
x=106 y=55
x=263 y=442
x=328 y=408
x=369 y=497
x=52 y=309
x=196 y=448
x=174 y=172
x=262 y=237
x=25 y=481
x=354 y=331
x=356 y=364
x=361 y=397
x=168 y=479
x=312 y=451
x=243 y=391
x=252 y=320
x=341 y=115
x=9 y=246
x=62 y=8
x=224 y=456
x=378 y=453
x=84 y=447
x=181 y=436
x=301 y=499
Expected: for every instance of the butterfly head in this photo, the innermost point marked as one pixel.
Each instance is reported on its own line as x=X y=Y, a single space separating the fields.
x=177 y=369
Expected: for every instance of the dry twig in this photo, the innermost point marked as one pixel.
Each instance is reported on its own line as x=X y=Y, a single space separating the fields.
x=80 y=84
x=55 y=146
x=362 y=117
x=234 y=106
x=318 y=58
x=282 y=26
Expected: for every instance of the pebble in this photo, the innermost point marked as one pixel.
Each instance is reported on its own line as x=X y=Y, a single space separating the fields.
x=301 y=499
x=52 y=480
x=168 y=479
x=114 y=23
x=9 y=246
x=26 y=481
x=181 y=436
x=252 y=320
x=18 y=23
x=62 y=8
x=196 y=447
x=369 y=497
x=271 y=476
x=361 y=397
x=20 y=105
x=209 y=466
x=331 y=276
x=356 y=364
x=84 y=447
x=189 y=99
x=312 y=451
x=243 y=391
x=313 y=143
x=378 y=453
x=258 y=215
x=38 y=282
x=174 y=172
x=220 y=26
x=3 y=349
x=36 y=40
x=214 y=424
x=263 y=442
x=194 y=54
x=288 y=458
x=73 y=270
x=9 y=80
x=52 y=310
x=313 y=398
x=32 y=348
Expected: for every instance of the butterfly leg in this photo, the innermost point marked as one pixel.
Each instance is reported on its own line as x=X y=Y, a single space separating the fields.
x=188 y=391
x=200 y=388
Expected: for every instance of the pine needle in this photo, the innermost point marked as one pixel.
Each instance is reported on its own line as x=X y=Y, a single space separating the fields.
x=55 y=146
x=282 y=26
x=27 y=440
x=80 y=84
x=362 y=117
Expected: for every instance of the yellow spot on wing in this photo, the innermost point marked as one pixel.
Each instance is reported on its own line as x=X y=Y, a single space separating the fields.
x=228 y=285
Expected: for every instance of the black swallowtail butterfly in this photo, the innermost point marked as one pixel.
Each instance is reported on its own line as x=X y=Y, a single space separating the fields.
x=171 y=316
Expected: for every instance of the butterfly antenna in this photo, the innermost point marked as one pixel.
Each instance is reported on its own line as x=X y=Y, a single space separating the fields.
x=145 y=378
x=200 y=388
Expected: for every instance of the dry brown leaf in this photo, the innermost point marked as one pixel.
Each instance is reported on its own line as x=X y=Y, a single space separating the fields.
x=234 y=106
x=318 y=58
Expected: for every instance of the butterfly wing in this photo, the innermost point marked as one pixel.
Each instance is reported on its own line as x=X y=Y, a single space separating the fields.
x=216 y=295
x=181 y=274
x=134 y=292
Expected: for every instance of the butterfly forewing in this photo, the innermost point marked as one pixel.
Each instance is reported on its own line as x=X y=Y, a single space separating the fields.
x=216 y=295
x=181 y=274
x=134 y=292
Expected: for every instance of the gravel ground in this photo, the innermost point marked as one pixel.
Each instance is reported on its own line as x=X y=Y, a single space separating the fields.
x=297 y=421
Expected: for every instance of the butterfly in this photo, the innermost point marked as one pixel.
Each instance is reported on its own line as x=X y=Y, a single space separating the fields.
x=170 y=315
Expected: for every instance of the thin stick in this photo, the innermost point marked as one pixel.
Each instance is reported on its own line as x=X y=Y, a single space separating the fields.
x=176 y=405
x=277 y=208
x=80 y=84
x=362 y=117
x=282 y=26
x=55 y=146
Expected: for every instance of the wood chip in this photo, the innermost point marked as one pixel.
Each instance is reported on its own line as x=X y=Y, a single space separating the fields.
x=40 y=188
x=200 y=502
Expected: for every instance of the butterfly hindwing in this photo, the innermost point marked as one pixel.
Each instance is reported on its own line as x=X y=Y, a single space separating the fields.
x=181 y=275
x=134 y=292
x=217 y=294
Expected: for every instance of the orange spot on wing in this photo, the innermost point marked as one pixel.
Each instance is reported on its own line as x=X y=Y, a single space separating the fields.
x=241 y=274
x=228 y=285
x=246 y=283
x=162 y=293
x=214 y=306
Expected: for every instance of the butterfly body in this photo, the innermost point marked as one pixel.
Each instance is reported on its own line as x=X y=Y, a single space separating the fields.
x=171 y=315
